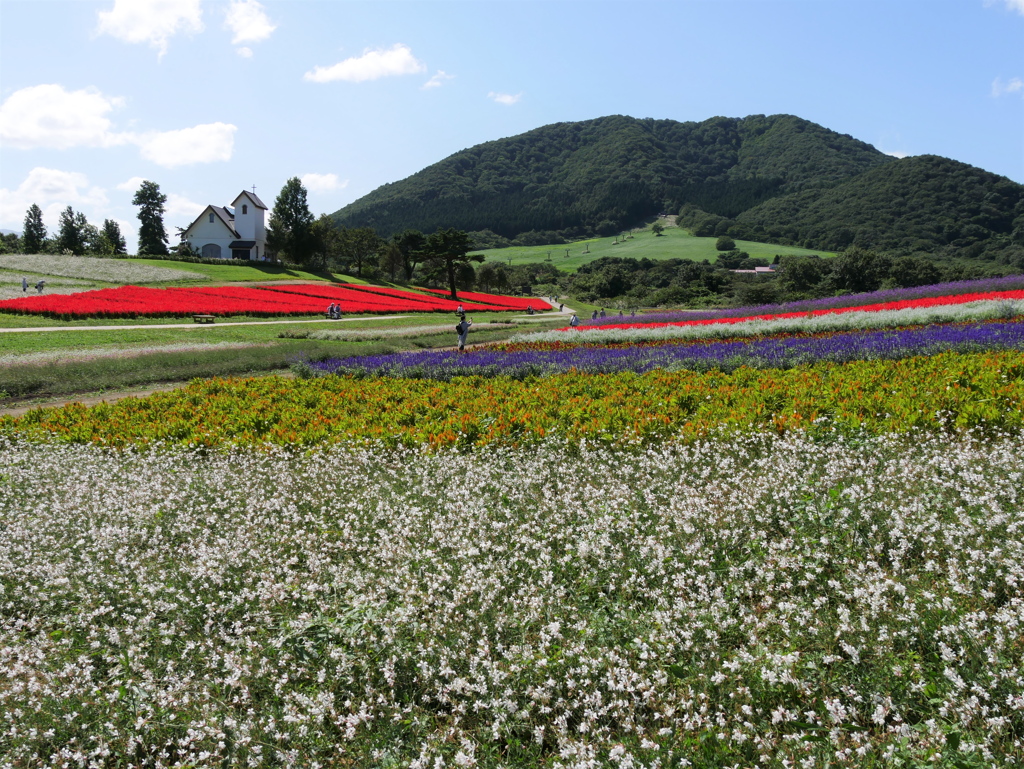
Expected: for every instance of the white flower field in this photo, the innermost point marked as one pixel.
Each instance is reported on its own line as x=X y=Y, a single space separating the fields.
x=743 y=601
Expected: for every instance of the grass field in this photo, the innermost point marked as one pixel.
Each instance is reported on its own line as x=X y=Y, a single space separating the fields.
x=674 y=243
x=253 y=271
x=59 y=363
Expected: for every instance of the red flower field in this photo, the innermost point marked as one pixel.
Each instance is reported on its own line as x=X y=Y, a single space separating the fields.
x=258 y=301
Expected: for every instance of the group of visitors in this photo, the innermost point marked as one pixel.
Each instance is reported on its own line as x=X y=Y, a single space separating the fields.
x=39 y=285
x=333 y=311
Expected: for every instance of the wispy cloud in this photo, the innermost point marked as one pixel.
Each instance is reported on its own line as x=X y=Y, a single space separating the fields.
x=131 y=185
x=151 y=21
x=372 y=65
x=438 y=79
x=1013 y=5
x=896 y=154
x=249 y=24
x=181 y=208
x=323 y=182
x=1013 y=85
x=505 y=98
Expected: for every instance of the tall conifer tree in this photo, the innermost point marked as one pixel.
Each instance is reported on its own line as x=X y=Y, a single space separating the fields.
x=35 y=231
x=152 y=236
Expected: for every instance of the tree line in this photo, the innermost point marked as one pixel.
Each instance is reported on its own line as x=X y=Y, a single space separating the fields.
x=441 y=257
x=76 y=236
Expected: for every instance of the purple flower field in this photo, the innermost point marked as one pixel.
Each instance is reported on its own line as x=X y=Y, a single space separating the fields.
x=774 y=352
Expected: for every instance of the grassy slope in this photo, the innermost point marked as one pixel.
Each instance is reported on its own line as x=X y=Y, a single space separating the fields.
x=675 y=243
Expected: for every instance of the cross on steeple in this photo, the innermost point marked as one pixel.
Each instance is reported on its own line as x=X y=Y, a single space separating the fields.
x=254 y=189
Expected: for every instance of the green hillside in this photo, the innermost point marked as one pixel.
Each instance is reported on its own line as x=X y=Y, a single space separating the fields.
x=597 y=177
x=674 y=243
x=921 y=203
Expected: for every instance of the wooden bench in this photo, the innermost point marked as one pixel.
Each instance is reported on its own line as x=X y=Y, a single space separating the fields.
x=202 y=318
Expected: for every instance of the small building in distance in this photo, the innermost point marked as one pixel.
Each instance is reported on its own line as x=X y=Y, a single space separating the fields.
x=237 y=231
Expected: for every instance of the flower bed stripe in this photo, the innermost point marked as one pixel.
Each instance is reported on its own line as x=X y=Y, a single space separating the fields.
x=773 y=352
x=800 y=323
x=878 y=396
x=904 y=304
x=263 y=301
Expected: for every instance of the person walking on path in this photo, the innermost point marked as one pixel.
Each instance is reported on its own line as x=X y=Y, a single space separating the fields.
x=24 y=284
x=574 y=321
x=463 y=331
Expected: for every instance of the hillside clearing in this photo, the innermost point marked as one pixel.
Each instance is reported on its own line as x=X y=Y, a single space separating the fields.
x=673 y=243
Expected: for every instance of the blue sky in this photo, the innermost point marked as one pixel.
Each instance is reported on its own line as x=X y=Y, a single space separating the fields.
x=207 y=97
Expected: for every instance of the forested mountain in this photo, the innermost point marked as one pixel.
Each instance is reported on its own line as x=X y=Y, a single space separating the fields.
x=776 y=179
x=914 y=204
x=598 y=176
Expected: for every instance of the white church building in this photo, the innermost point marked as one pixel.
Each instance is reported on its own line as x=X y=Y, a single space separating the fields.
x=237 y=231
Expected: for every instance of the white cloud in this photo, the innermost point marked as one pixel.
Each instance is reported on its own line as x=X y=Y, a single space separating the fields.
x=896 y=154
x=397 y=60
x=245 y=53
x=49 y=116
x=206 y=143
x=323 y=182
x=131 y=185
x=247 y=20
x=52 y=190
x=1013 y=5
x=1013 y=85
x=151 y=21
x=505 y=98
x=438 y=79
x=179 y=207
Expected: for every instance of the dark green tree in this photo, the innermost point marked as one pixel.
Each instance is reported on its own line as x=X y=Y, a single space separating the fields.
x=35 y=231
x=858 y=270
x=152 y=236
x=657 y=228
x=801 y=275
x=909 y=271
x=725 y=243
x=327 y=246
x=71 y=232
x=110 y=240
x=445 y=251
x=290 y=231
x=359 y=245
x=10 y=243
x=390 y=259
x=410 y=243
